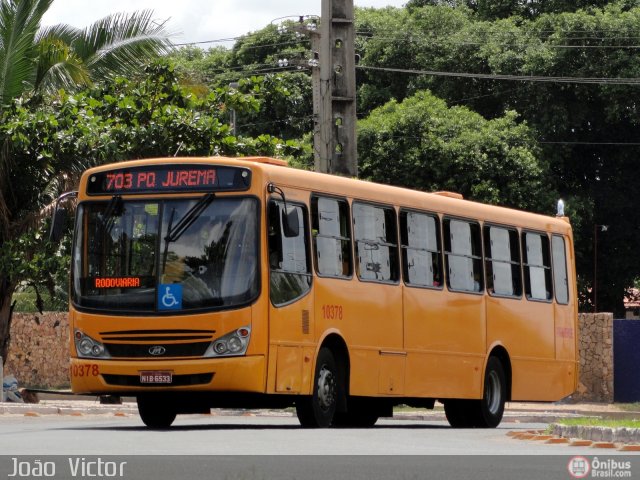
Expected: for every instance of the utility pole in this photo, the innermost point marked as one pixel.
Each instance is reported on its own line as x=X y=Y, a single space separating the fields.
x=334 y=90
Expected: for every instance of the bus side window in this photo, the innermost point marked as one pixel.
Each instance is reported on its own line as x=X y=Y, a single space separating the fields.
x=420 y=242
x=376 y=243
x=537 y=266
x=463 y=254
x=560 y=281
x=331 y=237
x=290 y=276
x=502 y=261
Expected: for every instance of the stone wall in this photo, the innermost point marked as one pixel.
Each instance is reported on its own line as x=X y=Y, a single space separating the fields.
x=39 y=353
x=595 y=343
x=39 y=350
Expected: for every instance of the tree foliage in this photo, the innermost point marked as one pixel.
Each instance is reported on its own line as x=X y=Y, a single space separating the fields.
x=586 y=129
x=45 y=59
x=422 y=143
x=519 y=144
x=284 y=94
x=52 y=142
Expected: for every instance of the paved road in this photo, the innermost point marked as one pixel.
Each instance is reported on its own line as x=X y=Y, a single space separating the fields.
x=256 y=435
x=246 y=447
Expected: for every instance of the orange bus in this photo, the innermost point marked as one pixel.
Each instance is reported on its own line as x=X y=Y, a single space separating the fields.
x=224 y=282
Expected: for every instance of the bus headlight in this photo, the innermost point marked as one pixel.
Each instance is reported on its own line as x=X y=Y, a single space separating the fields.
x=231 y=344
x=87 y=347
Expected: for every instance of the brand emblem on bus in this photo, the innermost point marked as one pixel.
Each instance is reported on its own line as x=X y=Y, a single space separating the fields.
x=157 y=350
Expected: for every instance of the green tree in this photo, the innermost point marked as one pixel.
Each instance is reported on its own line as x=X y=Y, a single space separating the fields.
x=45 y=59
x=284 y=106
x=423 y=144
x=141 y=117
x=34 y=61
x=587 y=132
x=284 y=93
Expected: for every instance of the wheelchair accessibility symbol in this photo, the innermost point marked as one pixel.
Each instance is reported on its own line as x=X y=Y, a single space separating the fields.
x=170 y=296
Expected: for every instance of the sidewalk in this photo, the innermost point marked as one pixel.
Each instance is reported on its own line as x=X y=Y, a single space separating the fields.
x=515 y=414
x=68 y=404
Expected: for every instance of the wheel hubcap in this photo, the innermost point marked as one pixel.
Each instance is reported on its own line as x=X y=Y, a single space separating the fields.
x=326 y=389
x=493 y=392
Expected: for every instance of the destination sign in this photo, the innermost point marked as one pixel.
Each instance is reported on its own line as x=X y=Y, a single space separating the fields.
x=117 y=282
x=168 y=178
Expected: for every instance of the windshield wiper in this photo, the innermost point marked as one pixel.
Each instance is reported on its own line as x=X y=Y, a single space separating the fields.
x=175 y=232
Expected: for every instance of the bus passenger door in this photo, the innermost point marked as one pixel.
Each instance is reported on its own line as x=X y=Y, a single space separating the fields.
x=291 y=304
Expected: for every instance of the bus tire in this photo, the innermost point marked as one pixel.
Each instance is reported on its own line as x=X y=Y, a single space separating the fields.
x=155 y=413
x=361 y=413
x=491 y=407
x=317 y=410
x=461 y=413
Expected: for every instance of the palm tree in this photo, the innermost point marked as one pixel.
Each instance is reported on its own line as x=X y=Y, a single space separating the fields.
x=46 y=59
x=35 y=61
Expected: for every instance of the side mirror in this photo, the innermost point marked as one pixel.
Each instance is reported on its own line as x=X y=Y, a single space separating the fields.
x=57 y=225
x=290 y=223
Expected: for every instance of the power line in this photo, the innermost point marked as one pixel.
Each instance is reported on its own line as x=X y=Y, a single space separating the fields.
x=219 y=40
x=619 y=144
x=520 y=78
x=409 y=34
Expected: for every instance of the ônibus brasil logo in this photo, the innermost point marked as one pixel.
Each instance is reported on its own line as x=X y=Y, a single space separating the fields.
x=579 y=467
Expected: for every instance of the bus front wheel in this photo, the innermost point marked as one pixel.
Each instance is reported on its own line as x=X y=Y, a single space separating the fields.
x=155 y=413
x=361 y=413
x=317 y=410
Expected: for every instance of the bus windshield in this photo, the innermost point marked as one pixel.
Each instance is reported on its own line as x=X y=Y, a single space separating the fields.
x=130 y=256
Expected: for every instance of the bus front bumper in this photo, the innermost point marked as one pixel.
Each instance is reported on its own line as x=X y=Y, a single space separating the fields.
x=233 y=374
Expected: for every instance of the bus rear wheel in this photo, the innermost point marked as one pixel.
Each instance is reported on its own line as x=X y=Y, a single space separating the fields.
x=491 y=407
x=486 y=412
x=155 y=413
x=318 y=410
x=461 y=413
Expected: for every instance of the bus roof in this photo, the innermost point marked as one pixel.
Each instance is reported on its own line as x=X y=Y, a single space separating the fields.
x=449 y=203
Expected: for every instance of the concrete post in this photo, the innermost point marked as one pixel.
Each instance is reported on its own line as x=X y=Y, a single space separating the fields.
x=335 y=109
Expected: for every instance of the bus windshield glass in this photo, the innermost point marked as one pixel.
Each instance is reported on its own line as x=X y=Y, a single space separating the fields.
x=166 y=256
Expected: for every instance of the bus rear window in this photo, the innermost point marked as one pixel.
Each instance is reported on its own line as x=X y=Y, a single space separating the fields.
x=537 y=266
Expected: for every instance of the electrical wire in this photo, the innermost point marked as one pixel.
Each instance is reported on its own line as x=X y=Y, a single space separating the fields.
x=520 y=78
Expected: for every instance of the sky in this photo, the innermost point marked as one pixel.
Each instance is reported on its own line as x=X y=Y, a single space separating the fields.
x=196 y=20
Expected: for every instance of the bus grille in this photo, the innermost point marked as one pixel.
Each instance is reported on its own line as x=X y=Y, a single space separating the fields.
x=177 y=380
x=127 y=350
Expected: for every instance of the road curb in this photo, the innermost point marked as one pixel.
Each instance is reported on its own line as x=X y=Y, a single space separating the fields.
x=598 y=434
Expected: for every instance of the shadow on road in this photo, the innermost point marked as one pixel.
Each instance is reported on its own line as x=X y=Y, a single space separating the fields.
x=242 y=426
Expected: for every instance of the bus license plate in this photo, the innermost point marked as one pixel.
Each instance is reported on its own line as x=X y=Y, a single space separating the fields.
x=156 y=377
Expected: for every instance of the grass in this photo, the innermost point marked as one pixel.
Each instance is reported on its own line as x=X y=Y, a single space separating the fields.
x=600 y=422
x=26 y=302
x=629 y=407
